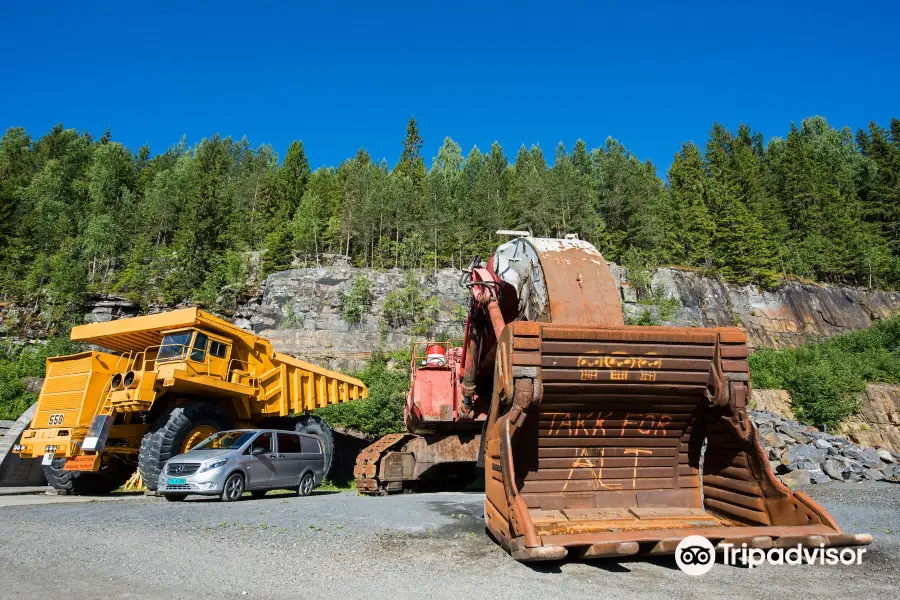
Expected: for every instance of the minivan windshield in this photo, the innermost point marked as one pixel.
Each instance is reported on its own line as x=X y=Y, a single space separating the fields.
x=225 y=440
x=174 y=345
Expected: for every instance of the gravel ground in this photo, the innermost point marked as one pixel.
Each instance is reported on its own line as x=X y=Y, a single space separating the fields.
x=340 y=545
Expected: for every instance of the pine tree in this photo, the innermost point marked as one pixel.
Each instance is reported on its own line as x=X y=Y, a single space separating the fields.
x=411 y=164
x=16 y=170
x=581 y=158
x=293 y=177
x=882 y=147
x=277 y=250
x=693 y=226
x=742 y=252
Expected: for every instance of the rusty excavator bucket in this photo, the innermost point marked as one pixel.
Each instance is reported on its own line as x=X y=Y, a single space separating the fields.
x=606 y=440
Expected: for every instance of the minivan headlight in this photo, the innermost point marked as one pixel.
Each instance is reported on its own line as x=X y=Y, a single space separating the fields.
x=213 y=465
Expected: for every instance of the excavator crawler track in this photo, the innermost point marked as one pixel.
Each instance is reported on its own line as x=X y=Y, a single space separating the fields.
x=365 y=471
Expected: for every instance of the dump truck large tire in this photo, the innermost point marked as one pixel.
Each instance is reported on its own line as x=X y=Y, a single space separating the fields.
x=108 y=479
x=170 y=432
x=314 y=425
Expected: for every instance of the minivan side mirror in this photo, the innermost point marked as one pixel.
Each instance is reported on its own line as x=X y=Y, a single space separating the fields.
x=257 y=450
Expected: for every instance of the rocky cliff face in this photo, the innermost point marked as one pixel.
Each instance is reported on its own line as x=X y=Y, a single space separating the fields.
x=299 y=310
x=789 y=315
x=877 y=424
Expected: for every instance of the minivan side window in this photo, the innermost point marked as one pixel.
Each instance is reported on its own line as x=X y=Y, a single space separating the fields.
x=289 y=443
x=310 y=445
x=263 y=441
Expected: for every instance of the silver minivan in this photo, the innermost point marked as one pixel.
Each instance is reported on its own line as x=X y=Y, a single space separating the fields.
x=256 y=460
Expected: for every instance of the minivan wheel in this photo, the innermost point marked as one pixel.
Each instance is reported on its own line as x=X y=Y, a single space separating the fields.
x=175 y=497
x=234 y=488
x=306 y=485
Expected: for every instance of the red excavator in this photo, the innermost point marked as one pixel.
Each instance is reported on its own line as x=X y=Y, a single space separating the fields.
x=596 y=439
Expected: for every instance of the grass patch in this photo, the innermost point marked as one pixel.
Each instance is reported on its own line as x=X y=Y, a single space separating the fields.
x=822 y=378
x=336 y=486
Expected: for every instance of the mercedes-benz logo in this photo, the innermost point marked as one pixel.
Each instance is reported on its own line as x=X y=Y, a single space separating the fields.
x=179 y=469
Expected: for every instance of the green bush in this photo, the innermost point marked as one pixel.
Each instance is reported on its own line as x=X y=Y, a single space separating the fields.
x=666 y=308
x=823 y=378
x=356 y=301
x=226 y=280
x=19 y=362
x=407 y=306
x=382 y=412
x=638 y=266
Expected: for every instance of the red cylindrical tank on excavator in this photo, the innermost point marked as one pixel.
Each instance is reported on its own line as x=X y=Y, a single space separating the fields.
x=435 y=356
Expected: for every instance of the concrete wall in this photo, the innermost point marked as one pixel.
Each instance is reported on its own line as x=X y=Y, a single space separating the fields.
x=15 y=471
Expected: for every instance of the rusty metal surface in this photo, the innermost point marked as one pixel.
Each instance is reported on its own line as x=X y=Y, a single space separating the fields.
x=608 y=454
x=365 y=471
x=581 y=288
x=397 y=460
x=559 y=280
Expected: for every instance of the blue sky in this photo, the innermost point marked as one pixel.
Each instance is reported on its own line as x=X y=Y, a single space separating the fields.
x=344 y=75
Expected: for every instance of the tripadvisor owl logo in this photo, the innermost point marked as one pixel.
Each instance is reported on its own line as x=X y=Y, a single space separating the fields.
x=695 y=555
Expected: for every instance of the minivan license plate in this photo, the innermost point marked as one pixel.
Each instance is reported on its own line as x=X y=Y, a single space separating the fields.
x=177 y=481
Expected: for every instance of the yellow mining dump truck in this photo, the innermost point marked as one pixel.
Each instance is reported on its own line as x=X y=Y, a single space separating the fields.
x=169 y=381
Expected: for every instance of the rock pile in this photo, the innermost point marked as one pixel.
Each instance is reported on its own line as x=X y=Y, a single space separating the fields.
x=800 y=454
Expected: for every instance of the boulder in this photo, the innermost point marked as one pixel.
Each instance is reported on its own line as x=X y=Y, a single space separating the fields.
x=805 y=465
x=818 y=476
x=795 y=478
x=806 y=452
x=771 y=439
x=834 y=470
x=891 y=473
x=873 y=474
x=869 y=458
x=763 y=417
x=885 y=455
x=823 y=444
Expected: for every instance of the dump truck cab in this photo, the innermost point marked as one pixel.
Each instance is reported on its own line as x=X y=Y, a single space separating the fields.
x=167 y=382
x=187 y=360
x=192 y=349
